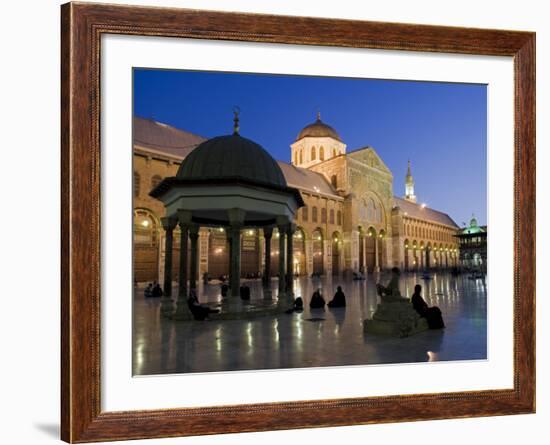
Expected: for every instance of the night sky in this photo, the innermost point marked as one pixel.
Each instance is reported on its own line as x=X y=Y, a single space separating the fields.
x=440 y=127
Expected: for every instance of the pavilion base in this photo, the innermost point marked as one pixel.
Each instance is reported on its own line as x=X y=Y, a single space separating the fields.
x=397 y=319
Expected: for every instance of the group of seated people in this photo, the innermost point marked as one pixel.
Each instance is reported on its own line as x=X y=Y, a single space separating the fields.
x=318 y=302
x=153 y=290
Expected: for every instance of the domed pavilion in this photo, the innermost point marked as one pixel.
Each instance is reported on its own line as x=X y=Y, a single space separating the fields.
x=233 y=183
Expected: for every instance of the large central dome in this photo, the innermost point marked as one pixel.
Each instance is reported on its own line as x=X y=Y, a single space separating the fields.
x=232 y=157
x=319 y=129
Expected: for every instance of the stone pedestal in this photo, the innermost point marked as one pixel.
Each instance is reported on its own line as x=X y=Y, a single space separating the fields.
x=396 y=318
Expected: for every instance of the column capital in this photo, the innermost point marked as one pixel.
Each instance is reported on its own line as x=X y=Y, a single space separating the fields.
x=168 y=223
x=282 y=221
x=194 y=230
x=291 y=228
x=236 y=216
x=268 y=231
x=185 y=217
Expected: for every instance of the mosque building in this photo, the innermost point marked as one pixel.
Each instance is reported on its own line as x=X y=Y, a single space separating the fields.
x=350 y=220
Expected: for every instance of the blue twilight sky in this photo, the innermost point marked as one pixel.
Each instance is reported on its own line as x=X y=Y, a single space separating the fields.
x=440 y=127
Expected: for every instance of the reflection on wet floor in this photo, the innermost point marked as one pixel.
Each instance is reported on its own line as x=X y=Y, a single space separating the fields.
x=315 y=337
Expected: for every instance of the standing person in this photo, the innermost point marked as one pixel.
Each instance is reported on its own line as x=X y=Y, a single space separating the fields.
x=431 y=314
x=317 y=300
x=339 y=299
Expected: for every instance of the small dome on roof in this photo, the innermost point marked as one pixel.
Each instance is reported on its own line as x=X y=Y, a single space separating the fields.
x=232 y=157
x=318 y=129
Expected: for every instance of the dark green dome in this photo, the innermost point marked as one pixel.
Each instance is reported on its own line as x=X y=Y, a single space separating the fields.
x=232 y=157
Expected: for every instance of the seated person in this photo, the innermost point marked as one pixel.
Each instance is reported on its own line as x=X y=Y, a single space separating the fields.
x=200 y=311
x=157 y=291
x=148 y=292
x=339 y=299
x=317 y=301
x=391 y=293
x=431 y=314
x=298 y=306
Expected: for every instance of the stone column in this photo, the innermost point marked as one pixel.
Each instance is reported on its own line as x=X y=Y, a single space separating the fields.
x=308 y=244
x=236 y=222
x=364 y=241
x=194 y=235
x=291 y=228
x=268 y=233
x=235 y=277
x=376 y=259
x=167 y=305
x=182 y=309
x=281 y=227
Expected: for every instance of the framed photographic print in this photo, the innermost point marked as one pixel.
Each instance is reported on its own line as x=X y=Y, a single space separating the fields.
x=279 y=222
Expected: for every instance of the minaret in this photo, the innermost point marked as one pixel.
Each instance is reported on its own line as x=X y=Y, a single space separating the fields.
x=409 y=185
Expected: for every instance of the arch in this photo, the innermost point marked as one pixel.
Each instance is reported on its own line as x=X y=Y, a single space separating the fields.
x=414 y=254
x=218 y=253
x=372 y=210
x=428 y=260
x=146 y=244
x=146 y=227
x=299 y=251
x=382 y=252
x=336 y=252
x=321 y=153
x=362 y=236
x=313 y=154
x=370 y=249
x=250 y=252
x=317 y=251
x=275 y=252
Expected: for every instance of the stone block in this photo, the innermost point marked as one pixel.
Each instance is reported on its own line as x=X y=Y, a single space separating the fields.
x=397 y=319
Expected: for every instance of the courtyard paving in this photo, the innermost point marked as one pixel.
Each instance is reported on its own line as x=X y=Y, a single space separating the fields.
x=315 y=337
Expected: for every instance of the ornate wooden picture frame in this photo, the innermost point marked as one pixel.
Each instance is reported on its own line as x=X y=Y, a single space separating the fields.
x=82 y=26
